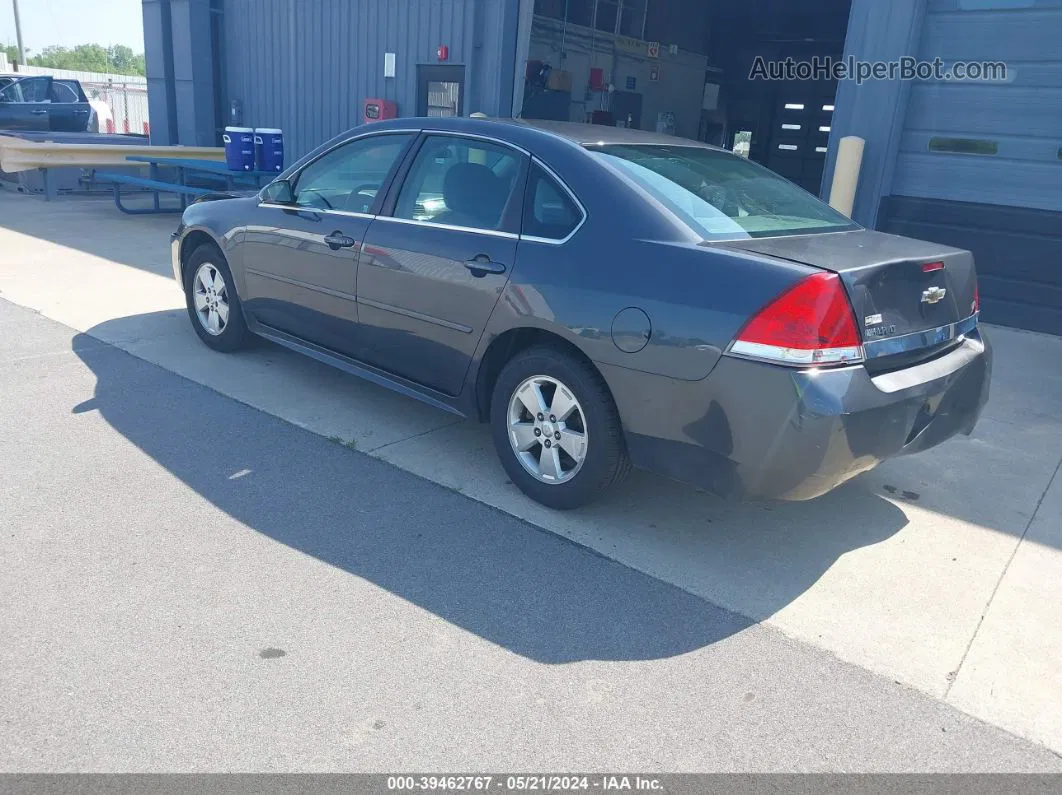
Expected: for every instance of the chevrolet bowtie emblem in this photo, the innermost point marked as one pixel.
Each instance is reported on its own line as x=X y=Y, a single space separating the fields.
x=933 y=295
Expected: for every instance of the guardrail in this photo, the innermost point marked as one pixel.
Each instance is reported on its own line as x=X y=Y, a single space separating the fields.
x=18 y=154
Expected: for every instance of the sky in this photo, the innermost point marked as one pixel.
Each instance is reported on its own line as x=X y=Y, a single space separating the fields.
x=72 y=22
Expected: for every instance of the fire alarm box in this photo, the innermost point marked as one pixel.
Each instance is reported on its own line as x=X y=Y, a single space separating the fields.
x=376 y=109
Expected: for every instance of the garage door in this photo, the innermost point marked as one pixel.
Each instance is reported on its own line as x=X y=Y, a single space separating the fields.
x=980 y=163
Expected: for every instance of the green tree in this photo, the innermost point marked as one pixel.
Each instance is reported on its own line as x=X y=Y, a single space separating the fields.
x=123 y=60
x=117 y=59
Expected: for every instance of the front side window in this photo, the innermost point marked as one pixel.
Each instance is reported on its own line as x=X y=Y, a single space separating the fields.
x=549 y=211
x=36 y=89
x=351 y=175
x=9 y=91
x=722 y=196
x=461 y=182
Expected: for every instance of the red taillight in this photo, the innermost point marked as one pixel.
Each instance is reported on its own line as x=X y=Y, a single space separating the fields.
x=977 y=299
x=932 y=267
x=809 y=324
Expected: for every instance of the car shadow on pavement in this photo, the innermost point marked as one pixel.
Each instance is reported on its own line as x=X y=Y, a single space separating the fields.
x=507 y=581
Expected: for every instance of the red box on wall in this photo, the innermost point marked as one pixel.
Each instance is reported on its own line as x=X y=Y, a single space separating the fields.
x=376 y=109
x=597 y=79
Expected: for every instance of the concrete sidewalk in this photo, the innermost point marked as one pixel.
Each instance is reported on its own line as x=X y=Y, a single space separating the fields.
x=940 y=571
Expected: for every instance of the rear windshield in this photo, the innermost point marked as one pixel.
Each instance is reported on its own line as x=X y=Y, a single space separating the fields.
x=722 y=196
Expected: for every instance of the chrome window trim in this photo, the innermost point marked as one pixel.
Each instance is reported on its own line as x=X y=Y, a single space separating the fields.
x=449 y=227
x=875 y=349
x=549 y=241
x=305 y=209
x=349 y=214
x=478 y=137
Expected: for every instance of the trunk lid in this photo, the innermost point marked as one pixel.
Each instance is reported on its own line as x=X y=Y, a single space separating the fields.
x=899 y=287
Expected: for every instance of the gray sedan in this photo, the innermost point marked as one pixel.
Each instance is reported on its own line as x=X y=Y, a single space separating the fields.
x=603 y=298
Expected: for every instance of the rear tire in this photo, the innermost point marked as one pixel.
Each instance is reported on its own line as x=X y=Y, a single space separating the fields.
x=572 y=450
x=213 y=305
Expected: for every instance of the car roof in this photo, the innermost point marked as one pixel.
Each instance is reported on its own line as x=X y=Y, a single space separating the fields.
x=572 y=132
x=586 y=134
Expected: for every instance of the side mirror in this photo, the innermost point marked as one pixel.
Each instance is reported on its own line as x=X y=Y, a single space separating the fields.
x=278 y=192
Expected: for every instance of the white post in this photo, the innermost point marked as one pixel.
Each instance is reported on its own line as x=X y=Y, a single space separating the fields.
x=18 y=34
x=846 y=174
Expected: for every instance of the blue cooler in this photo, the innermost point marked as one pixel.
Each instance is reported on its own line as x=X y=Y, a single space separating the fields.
x=269 y=149
x=239 y=148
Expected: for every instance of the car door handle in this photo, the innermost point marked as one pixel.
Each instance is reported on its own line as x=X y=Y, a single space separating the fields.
x=338 y=240
x=38 y=112
x=481 y=265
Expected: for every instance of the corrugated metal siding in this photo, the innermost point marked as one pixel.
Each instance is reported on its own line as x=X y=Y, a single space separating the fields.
x=1023 y=115
x=873 y=111
x=305 y=66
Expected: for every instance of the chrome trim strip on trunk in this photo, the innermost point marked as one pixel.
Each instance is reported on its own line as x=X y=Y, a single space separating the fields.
x=920 y=339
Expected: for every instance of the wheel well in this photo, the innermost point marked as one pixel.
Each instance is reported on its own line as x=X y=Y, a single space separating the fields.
x=191 y=242
x=504 y=348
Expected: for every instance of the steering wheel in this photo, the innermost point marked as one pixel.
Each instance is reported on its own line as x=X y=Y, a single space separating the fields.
x=317 y=194
x=358 y=201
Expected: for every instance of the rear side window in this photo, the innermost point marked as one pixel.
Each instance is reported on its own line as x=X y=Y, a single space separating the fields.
x=549 y=211
x=462 y=182
x=722 y=196
x=65 y=91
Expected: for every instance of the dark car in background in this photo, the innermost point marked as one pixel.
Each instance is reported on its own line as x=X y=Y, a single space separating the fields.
x=603 y=298
x=39 y=103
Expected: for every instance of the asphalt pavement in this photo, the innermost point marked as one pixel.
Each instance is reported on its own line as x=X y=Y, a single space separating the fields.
x=190 y=584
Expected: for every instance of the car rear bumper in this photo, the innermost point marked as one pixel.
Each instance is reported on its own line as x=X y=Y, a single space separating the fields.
x=758 y=430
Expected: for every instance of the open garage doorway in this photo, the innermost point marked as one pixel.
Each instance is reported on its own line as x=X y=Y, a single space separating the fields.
x=685 y=67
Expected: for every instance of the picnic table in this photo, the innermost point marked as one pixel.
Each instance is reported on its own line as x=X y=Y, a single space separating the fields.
x=204 y=169
x=212 y=167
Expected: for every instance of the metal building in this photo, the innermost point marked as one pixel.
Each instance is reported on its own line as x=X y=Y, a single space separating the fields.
x=973 y=163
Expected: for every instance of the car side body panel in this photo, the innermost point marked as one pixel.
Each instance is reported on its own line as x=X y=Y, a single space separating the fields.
x=652 y=306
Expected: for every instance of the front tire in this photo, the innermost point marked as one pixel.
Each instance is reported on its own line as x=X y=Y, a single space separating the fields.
x=213 y=305
x=556 y=429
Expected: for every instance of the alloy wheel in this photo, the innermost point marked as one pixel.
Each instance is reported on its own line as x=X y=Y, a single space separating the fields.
x=211 y=298
x=547 y=429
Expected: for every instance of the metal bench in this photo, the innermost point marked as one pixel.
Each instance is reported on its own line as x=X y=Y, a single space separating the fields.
x=156 y=187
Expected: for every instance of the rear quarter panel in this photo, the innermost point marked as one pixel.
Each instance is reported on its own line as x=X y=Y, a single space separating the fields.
x=631 y=253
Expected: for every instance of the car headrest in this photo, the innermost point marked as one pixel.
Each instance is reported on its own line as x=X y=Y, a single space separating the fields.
x=474 y=190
